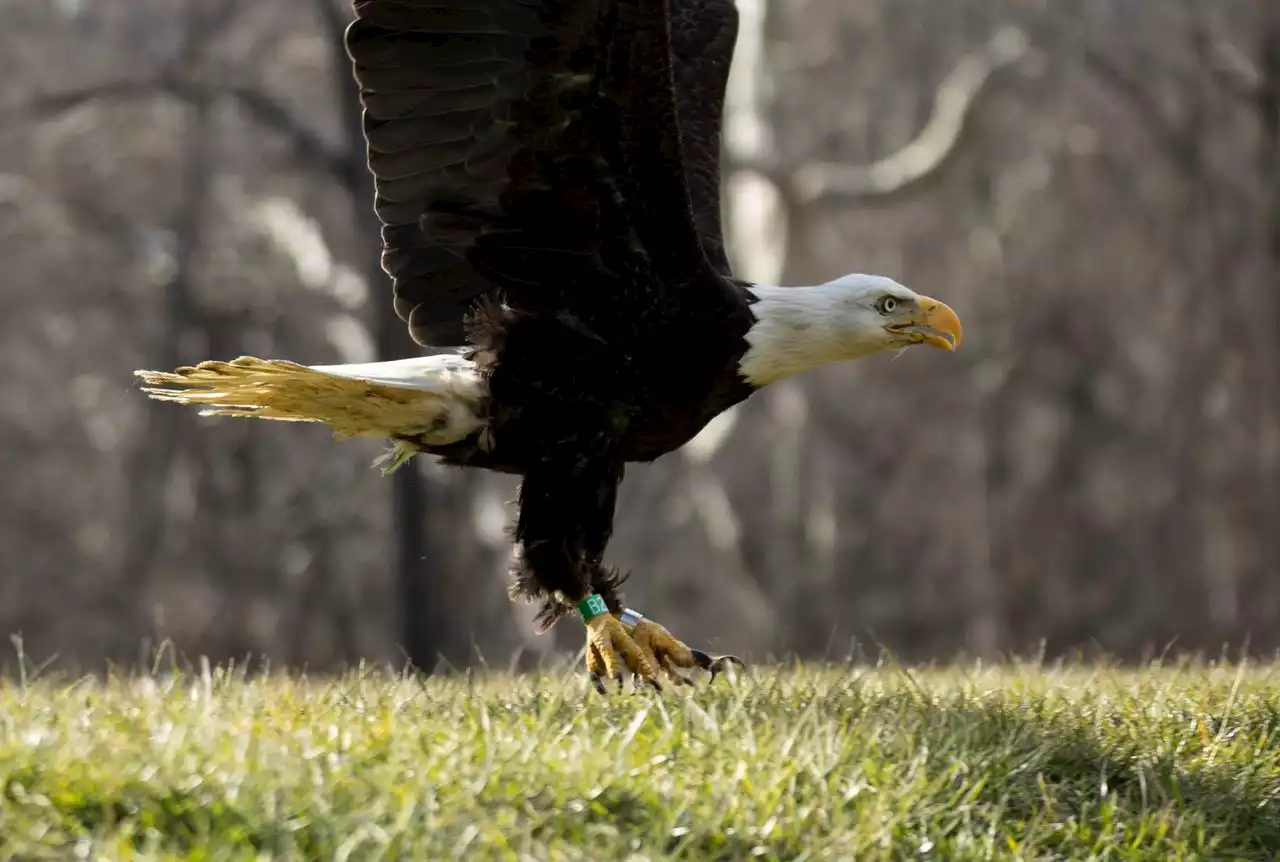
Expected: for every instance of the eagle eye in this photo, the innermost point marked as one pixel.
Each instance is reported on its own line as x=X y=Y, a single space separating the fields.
x=886 y=304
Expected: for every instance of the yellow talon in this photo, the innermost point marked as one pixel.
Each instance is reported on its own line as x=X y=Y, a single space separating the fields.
x=607 y=641
x=647 y=647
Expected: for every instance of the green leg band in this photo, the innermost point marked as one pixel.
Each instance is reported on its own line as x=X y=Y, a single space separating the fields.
x=591 y=607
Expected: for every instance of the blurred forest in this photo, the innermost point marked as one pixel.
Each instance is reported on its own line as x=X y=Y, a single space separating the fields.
x=1093 y=185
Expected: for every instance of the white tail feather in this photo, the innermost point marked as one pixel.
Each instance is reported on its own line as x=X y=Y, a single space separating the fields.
x=434 y=399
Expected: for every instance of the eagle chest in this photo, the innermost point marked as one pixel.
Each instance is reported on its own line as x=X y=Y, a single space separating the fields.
x=661 y=426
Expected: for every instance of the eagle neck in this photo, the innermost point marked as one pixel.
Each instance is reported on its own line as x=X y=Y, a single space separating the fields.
x=797 y=329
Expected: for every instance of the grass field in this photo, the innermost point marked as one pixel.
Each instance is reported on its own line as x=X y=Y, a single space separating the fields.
x=1015 y=762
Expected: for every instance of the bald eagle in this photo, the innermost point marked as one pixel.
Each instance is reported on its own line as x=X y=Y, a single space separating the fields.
x=547 y=177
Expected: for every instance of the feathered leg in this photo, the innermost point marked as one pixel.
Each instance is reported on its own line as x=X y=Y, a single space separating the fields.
x=568 y=496
x=566 y=508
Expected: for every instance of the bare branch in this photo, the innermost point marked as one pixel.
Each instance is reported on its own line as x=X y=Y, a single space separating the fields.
x=47 y=107
x=1234 y=70
x=1161 y=129
x=938 y=140
x=310 y=147
x=334 y=23
x=263 y=107
x=1176 y=131
x=206 y=21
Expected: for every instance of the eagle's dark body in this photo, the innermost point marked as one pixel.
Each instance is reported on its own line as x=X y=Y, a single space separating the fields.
x=547 y=173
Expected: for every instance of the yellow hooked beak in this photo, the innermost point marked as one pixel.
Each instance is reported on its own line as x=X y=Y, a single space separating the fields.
x=935 y=323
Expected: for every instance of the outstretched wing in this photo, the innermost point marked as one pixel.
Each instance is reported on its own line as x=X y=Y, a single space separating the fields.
x=703 y=35
x=528 y=146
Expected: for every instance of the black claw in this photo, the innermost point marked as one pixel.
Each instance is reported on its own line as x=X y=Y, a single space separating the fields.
x=598 y=683
x=618 y=677
x=715 y=665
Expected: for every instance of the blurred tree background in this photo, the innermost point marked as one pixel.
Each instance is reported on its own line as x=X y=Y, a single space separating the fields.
x=1094 y=186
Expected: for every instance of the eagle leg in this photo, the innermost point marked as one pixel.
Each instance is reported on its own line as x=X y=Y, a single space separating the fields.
x=567 y=503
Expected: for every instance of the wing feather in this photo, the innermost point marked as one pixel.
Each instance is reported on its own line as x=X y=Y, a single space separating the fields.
x=703 y=35
x=519 y=146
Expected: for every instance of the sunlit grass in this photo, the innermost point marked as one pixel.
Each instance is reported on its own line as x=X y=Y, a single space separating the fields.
x=1014 y=762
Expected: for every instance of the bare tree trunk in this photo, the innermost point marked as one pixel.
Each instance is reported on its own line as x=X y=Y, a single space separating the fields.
x=1268 y=110
x=424 y=624
x=151 y=461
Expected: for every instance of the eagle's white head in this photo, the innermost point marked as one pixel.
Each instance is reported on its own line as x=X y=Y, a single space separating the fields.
x=799 y=328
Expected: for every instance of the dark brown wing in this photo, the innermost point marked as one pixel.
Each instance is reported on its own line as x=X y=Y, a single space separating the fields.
x=527 y=146
x=703 y=35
